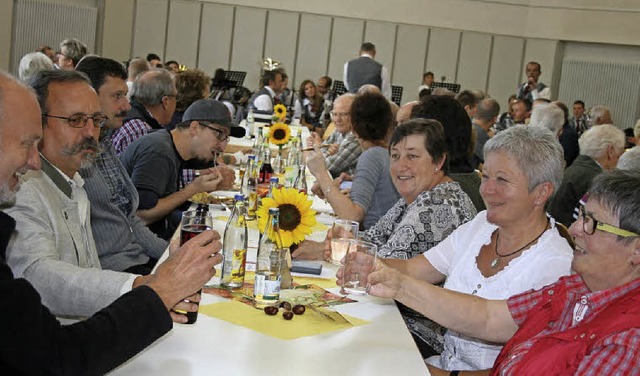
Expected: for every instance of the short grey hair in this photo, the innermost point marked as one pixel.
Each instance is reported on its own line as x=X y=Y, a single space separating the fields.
x=31 y=63
x=630 y=160
x=151 y=86
x=549 y=116
x=595 y=141
x=598 y=112
x=73 y=49
x=136 y=67
x=617 y=191
x=536 y=150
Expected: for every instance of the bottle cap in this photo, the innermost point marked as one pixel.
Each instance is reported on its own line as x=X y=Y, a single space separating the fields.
x=274 y=179
x=251 y=157
x=238 y=197
x=274 y=210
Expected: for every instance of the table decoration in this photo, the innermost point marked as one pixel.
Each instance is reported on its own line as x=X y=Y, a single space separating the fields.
x=296 y=216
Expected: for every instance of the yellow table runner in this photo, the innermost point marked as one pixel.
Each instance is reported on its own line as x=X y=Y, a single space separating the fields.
x=308 y=324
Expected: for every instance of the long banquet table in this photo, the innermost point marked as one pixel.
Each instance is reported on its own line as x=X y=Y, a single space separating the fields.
x=213 y=346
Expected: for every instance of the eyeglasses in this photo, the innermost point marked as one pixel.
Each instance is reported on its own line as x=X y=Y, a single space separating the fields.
x=222 y=136
x=590 y=224
x=339 y=114
x=80 y=120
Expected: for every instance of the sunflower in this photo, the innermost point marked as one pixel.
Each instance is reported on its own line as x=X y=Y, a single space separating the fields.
x=296 y=216
x=280 y=111
x=279 y=134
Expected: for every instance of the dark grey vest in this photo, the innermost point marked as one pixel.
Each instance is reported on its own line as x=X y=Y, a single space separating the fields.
x=256 y=95
x=363 y=71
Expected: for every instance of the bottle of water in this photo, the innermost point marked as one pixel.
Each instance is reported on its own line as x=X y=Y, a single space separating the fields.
x=252 y=188
x=293 y=159
x=270 y=261
x=250 y=124
x=301 y=181
x=234 y=247
x=273 y=185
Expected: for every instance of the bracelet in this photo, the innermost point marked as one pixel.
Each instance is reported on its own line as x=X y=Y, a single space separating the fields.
x=327 y=189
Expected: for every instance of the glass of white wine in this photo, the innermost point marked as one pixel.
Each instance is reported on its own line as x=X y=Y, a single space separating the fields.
x=342 y=232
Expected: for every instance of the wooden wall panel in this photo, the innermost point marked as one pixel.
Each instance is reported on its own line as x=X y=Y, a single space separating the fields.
x=183 y=31
x=313 y=49
x=504 y=73
x=473 y=66
x=281 y=40
x=383 y=35
x=149 y=28
x=248 y=44
x=411 y=49
x=346 y=38
x=215 y=37
x=442 y=56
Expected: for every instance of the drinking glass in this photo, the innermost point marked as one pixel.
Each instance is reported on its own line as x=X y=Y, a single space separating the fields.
x=193 y=223
x=358 y=264
x=341 y=232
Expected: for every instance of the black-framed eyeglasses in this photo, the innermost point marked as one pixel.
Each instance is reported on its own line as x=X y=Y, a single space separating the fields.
x=590 y=224
x=80 y=120
x=222 y=136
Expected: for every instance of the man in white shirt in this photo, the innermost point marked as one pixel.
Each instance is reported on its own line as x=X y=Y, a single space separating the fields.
x=54 y=248
x=265 y=98
x=365 y=70
x=533 y=89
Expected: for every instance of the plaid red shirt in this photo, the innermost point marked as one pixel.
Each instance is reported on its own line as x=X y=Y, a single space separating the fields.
x=129 y=132
x=615 y=354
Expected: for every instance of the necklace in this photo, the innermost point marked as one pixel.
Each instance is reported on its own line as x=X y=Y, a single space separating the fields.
x=496 y=261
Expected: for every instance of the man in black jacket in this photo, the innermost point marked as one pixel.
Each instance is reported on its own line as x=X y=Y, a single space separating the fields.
x=33 y=341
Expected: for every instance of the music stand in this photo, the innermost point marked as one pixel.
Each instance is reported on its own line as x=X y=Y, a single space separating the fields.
x=338 y=88
x=447 y=85
x=396 y=94
x=224 y=80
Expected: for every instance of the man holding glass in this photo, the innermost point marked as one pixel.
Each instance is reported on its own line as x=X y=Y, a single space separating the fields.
x=38 y=343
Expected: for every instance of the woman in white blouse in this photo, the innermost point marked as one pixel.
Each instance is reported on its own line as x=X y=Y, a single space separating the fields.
x=511 y=247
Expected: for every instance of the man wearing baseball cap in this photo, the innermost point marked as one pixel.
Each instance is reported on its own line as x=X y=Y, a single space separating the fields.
x=155 y=161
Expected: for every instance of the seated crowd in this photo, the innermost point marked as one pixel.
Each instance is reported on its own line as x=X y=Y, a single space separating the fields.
x=469 y=209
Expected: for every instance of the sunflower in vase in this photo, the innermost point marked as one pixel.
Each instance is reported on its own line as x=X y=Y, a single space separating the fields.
x=279 y=134
x=279 y=113
x=296 y=216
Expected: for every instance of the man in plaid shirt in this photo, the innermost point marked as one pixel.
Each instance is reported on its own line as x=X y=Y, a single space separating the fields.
x=153 y=101
x=587 y=323
x=342 y=149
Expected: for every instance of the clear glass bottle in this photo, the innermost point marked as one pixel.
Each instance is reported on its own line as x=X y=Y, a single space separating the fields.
x=250 y=124
x=273 y=184
x=266 y=170
x=252 y=188
x=301 y=180
x=244 y=174
x=234 y=247
x=293 y=159
x=270 y=262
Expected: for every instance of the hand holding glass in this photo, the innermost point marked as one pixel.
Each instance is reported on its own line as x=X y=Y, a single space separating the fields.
x=359 y=262
x=341 y=232
x=193 y=223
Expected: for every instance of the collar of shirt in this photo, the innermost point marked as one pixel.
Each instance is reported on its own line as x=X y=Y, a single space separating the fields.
x=366 y=55
x=79 y=194
x=270 y=90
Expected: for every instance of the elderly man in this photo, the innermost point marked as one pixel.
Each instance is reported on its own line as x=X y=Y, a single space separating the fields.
x=549 y=116
x=521 y=111
x=136 y=67
x=533 y=89
x=155 y=162
x=123 y=241
x=485 y=117
x=54 y=248
x=153 y=102
x=469 y=100
x=365 y=70
x=600 y=149
x=265 y=98
x=342 y=150
x=71 y=51
x=600 y=115
x=35 y=342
